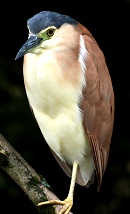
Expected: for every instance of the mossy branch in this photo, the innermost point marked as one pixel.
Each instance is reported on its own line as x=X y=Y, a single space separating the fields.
x=33 y=184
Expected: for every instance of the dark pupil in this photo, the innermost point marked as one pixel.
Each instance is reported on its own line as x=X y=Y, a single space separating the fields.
x=50 y=32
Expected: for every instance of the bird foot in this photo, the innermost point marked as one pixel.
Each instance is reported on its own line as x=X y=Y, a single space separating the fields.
x=67 y=204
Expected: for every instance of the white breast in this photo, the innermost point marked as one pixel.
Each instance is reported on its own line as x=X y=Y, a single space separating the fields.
x=55 y=105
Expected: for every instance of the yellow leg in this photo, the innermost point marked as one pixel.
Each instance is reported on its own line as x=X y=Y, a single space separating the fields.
x=68 y=202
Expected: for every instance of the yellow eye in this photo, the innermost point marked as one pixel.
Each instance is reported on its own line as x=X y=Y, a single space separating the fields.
x=50 y=32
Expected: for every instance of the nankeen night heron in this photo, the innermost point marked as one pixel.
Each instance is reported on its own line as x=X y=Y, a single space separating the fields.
x=70 y=92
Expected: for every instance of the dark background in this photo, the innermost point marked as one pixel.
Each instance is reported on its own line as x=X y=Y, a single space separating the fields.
x=109 y=22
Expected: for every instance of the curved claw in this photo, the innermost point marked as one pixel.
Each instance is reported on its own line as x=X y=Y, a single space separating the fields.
x=67 y=204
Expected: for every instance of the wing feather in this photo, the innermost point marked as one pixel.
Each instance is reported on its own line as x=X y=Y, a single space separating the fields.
x=97 y=104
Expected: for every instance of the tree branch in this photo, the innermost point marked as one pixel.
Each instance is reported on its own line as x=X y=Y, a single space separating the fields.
x=34 y=185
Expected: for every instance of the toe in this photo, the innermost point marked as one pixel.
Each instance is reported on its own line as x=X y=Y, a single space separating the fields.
x=67 y=206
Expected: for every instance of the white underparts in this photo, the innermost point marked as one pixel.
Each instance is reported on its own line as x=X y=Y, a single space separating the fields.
x=56 y=109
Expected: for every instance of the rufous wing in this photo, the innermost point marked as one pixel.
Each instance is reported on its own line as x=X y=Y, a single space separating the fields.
x=97 y=105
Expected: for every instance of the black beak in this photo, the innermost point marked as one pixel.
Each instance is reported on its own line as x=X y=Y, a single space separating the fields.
x=32 y=42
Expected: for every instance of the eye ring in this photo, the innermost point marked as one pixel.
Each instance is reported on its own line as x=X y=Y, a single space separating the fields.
x=50 y=32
